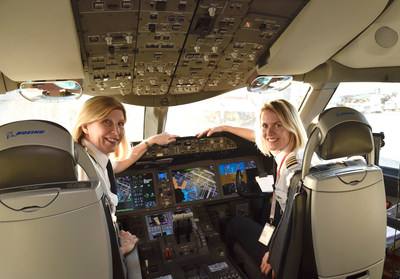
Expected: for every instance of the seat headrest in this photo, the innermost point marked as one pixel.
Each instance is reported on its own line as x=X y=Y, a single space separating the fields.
x=38 y=152
x=340 y=132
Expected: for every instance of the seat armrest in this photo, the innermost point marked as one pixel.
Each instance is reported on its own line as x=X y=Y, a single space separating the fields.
x=133 y=264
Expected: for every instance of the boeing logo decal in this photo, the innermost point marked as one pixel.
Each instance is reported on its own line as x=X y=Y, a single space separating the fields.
x=339 y=114
x=19 y=133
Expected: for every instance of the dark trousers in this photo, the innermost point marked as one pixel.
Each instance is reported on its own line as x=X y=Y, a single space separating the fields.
x=246 y=231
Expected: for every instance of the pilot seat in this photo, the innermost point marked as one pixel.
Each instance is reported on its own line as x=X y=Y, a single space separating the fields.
x=334 y=224
x=51 y=224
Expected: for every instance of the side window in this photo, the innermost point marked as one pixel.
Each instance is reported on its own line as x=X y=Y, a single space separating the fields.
x=14 y=108
x=380 y=103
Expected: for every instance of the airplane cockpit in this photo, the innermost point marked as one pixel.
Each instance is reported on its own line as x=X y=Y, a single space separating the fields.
x=172 y=200
x=181 y=67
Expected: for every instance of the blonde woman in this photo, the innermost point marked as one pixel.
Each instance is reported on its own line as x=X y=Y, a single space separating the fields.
x=281 y=134
x=99 y=128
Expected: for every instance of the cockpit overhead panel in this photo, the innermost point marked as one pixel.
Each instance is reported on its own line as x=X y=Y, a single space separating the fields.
x=174 y=48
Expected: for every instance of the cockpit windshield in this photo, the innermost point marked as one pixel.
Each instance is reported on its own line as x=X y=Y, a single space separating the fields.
x=237 y=108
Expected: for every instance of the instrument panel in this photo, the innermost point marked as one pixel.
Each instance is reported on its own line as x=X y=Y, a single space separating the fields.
x=190 y=170
x=166 y=198
x=176 y=185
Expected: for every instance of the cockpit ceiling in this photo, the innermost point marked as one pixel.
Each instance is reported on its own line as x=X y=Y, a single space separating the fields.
x=171 y=52
x=151 y=52
x=175 y=47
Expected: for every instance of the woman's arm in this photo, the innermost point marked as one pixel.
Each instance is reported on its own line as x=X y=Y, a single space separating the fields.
x=245 y=133
x=138 y=150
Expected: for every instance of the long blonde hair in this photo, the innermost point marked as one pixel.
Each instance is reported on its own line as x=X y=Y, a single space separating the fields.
x=97 y=108
x=290 y=119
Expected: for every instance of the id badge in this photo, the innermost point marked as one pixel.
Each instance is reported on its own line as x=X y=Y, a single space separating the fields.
x=266 y=234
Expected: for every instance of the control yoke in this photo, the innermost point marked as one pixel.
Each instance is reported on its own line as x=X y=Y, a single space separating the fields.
x=248 y=189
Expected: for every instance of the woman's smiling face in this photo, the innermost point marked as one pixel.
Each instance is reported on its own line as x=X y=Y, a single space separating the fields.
x=106 y=133
x=275 y=135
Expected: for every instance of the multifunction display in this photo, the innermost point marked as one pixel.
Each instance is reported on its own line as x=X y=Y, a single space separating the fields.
x=192 y=184
x=136 y=192
x=162 y=223
x=227 y=173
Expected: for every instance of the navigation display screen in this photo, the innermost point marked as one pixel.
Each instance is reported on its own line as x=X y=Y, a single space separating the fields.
x=227 y=174
x=192 y=184
x=135 y=192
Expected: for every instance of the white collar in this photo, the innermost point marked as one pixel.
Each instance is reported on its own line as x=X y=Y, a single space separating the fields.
x=100 y=157
x=279 y=157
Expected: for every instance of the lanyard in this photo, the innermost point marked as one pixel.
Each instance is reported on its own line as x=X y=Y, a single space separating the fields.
x=280 y=166
x=273 y=202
